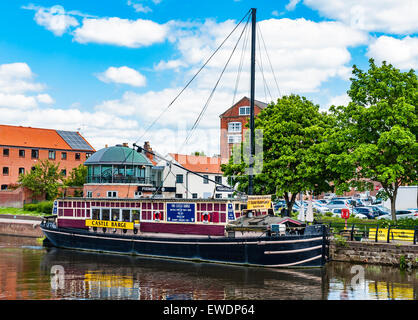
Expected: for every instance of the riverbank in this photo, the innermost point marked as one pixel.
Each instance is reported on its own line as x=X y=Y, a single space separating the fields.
x=20 y=225
x=402 y=255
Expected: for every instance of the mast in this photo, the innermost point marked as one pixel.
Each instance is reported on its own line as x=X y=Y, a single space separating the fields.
x=252 y=130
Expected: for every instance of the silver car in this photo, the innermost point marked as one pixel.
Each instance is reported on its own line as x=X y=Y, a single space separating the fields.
x=339 y=204
x=402 y=214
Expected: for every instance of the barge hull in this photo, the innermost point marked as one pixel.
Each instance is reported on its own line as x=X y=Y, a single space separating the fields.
x=276 y=252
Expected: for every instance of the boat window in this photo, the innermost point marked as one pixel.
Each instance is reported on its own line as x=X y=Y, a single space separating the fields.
x=115 y=214
x=96 y=214
x=135 y=215
x=126 y=215
x=105 y=214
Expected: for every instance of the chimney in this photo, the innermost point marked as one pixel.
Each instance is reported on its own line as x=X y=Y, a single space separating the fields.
x=106 y=145
x=125 y=144
x=148 y=148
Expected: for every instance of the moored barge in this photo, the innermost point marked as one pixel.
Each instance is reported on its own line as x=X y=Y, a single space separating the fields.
x=210 y=230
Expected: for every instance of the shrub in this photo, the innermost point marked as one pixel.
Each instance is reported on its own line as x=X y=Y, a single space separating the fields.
x=44 y=207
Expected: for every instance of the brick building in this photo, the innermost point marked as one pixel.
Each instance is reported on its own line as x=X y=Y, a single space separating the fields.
x=21 y=148
x=233 y=123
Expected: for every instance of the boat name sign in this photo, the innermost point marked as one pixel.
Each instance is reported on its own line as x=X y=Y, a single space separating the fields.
x=109 y=224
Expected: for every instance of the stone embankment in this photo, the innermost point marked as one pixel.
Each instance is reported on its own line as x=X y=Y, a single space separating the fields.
x=25 y=226
x=393 y=254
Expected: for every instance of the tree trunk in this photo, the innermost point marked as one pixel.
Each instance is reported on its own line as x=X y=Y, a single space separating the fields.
x=393 y=203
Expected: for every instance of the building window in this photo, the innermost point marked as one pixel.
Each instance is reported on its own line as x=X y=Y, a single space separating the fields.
x=5 y=152
x=194 y=195
x=88 y=155
x=205 y=179
x=21 y=153
x=77 y=156
x=179 y=196
x=218 y=179
x=5 y=171
x=64 y=172
x=179 y=178
x=234 y=127
x=89 y=194
x=244 y=111
x=112 y=194
x=21 y=170
x=51 y=154
x=63 y=155
x=218 y=195
x=35 y=153
x=4 y=187
x=234 y=138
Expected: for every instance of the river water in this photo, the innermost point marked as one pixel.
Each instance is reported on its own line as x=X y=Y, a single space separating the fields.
x=29 y=271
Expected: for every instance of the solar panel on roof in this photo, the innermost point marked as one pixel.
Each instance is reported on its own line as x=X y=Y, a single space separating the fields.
x=74 y=140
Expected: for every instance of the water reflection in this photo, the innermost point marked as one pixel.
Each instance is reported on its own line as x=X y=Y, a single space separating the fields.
x=103 y=276
x=29 y=271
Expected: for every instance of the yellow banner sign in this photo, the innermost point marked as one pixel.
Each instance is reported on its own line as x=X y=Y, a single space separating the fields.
x=259 y=202
x=395 y=234
x=110 y=224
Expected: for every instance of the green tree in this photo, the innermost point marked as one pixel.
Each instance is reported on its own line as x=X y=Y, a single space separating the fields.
x=376 y=134
x=294 y=151
x=77 y=177
x=43 y=179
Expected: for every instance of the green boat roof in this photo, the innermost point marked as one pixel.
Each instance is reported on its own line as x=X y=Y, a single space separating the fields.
x=118 y=155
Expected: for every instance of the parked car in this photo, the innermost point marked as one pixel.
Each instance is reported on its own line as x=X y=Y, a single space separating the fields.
x=380 y=210
x=322 y=202
x=338 y=204
x=320 y=208
x=401 y=214
x=367 y=211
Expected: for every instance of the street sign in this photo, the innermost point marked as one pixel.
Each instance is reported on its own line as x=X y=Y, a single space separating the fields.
x=345 y=213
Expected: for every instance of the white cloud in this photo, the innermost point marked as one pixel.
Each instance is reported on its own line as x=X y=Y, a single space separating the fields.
x=304 y=54
x=16 y=81
x=393 y=16
x=139 y=7
x=17 y=78
x=123 y=75
x=121 y=32
x=340 y=100
x=171 y=64
x=402 y=53
x=292 y=4
x=45 y=98
x=19 y=101
x=55 y=19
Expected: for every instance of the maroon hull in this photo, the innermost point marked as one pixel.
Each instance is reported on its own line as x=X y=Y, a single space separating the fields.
x=179 y=228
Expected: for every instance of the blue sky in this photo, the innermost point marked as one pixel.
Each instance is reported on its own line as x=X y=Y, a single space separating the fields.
x=109 y=68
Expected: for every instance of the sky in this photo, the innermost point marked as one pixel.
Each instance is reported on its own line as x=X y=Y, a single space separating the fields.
x=111 y=69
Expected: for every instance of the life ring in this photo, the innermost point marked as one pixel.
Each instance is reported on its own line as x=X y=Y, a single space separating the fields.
x=157 y=216
x=206 y=217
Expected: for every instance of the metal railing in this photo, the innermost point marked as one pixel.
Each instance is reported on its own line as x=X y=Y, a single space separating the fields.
x=373 y=232
x=119 y=179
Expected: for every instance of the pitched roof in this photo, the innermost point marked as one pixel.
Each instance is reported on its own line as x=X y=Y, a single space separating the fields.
x=200 y=164
x=259 y=104
x=42 y=138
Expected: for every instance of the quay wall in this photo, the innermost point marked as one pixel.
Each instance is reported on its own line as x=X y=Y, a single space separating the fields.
x=20 y=226
x=375 y=253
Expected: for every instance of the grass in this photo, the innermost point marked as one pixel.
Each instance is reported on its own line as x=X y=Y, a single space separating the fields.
x=20 y=211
